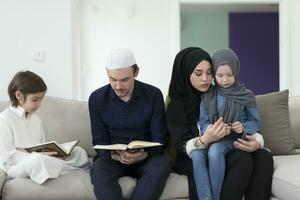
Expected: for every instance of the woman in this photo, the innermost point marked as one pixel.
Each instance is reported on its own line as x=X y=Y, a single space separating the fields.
x=249 y=174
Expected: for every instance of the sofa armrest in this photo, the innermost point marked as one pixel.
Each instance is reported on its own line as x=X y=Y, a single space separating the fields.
x=2 y=180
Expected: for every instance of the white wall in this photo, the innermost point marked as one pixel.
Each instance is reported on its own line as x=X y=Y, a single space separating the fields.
x=295 y=47
x=147 y=28
x=153 y=35
x=26 y=26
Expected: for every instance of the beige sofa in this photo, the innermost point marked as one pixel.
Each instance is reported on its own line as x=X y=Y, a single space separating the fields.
x=66 y=120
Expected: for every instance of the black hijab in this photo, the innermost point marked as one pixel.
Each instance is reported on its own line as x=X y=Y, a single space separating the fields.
x=236 y=97
x=181 y=89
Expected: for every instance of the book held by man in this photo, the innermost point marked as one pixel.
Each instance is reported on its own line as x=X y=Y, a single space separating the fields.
x=62 y=150
x=136 y=144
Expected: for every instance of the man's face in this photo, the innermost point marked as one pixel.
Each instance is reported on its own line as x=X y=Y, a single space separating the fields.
x=122 y=81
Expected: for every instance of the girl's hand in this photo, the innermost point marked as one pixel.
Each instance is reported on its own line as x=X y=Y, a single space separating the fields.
x=237 y=127
x=250 y=146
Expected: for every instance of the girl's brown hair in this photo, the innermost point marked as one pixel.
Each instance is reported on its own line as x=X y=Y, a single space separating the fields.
x=26 y=82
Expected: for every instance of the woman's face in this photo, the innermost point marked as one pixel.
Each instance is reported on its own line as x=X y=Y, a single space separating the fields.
x=202 y=76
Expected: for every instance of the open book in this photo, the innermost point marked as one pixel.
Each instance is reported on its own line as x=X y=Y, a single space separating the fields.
x=63 y=149
x=136 y=144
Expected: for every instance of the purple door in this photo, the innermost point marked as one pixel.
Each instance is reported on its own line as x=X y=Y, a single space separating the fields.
x=255 y=38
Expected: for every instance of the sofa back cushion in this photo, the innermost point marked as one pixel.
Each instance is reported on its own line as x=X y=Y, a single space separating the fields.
x=4 y=105
x=275 y=122
x=66 y=120
x=294 y=105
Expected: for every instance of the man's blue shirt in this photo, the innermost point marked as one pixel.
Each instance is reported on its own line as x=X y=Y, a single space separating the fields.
x=115 y=121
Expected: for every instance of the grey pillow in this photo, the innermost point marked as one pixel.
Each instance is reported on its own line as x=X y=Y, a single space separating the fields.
x=275 y=122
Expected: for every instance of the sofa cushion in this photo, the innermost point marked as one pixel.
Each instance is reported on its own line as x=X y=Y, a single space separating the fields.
x=67 y=120
x=275 y=123
x=4 y=105
x=74 y=185
x=176 y=187
x=294 y=105
x=2 y=179
x=64 y=120
x=77 y=185
x=286 y=179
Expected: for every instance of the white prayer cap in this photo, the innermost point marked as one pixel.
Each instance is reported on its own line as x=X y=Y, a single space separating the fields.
x=120 y=58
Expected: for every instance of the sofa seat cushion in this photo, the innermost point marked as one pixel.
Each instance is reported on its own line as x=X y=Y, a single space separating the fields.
x=176 y=187
x=286 y=177
x=74 y=185
x=77 y=185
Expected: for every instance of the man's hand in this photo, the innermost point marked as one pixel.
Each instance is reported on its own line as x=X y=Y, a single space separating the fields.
x=237 y=127
x=250 y=146
x=115 y=155
x=129 y=157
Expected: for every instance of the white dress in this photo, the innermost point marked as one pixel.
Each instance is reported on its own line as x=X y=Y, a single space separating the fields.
x=18 y=132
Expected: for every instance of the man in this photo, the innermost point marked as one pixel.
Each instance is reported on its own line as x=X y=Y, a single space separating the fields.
x=122 y=111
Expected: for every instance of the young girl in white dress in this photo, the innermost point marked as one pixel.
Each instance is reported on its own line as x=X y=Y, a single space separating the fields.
x=20 y=127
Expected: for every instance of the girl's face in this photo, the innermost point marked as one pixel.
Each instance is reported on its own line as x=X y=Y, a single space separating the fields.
x=202 y=76
x=224 y=76
x=32 y=102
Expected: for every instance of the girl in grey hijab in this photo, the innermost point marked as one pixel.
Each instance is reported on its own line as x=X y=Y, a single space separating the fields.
x=236 y=104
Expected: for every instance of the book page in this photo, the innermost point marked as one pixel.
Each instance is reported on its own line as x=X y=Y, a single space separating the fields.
x=68 y=146
x=111 y=147
x=142 y=144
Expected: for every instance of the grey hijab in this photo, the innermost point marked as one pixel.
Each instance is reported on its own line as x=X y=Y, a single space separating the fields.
x=236 y=97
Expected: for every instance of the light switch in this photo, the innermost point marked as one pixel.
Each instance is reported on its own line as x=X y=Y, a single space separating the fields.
x=39 y=55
